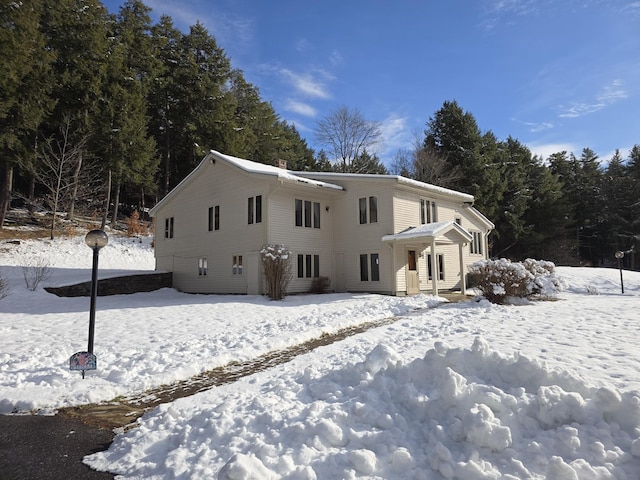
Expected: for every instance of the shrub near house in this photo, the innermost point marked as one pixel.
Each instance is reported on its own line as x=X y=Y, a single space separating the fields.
x=501 y=279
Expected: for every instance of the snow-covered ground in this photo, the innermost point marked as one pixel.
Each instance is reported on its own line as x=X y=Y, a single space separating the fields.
x=549 y=390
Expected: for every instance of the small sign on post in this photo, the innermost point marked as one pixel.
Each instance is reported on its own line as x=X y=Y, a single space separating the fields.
x=83 y=361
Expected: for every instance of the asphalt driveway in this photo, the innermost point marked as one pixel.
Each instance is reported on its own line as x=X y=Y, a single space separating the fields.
x=37 y=447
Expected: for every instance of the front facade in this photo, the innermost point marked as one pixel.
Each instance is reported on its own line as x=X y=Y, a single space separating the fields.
x=365 y=233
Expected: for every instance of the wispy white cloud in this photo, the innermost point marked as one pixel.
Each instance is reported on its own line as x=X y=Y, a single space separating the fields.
x=609 y=95
x=335 y=58
x=538 y=127
x=612 y=93
x=633 y=7
x=300 y=108
x=227 y=29
x=307 y=84
x=303 y=45
x=543 y=150
x=395 y=135
x=498 y=11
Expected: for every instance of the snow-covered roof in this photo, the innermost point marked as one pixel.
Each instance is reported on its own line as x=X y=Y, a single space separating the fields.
x=247 y=166
x=427 y=231
x=465 y=197
x=263 y=169
x=490 y=225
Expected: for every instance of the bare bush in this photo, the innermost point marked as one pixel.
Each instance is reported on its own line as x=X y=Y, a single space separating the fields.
x=276 y=263
x=35 y=271
x=320 y=285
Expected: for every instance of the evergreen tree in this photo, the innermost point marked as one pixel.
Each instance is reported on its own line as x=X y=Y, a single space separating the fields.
x=588 y=214
x=619 y=197
x=76 y=30
x=299 y=156
x=322 y=162
x=126 y=146
x=474 y=159
x=546 y=217
x=25 y=63
x=514 y=164
x=453 y=135
x=633 y=165
x=165 y=122
x=206 y=105
x=367 y=163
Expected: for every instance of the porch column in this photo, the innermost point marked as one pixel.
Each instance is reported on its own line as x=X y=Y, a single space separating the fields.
x=435 y=268
x=463 y=282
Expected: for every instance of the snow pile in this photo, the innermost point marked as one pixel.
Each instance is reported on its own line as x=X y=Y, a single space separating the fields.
x=549 y=390
x=455 y=413
x=145 y=340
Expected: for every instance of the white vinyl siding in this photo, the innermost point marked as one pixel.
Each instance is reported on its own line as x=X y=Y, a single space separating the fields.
x=389 y=207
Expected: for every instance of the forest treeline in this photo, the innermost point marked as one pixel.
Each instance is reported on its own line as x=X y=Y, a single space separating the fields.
x=99 y=110
x=573 y=210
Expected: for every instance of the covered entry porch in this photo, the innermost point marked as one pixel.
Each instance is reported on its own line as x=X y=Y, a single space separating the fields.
x=424 y=247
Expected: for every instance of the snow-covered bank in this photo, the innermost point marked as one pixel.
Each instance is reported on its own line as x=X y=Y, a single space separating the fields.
x=469 y=391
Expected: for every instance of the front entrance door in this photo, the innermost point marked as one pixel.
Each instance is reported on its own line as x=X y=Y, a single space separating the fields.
x=413 y=285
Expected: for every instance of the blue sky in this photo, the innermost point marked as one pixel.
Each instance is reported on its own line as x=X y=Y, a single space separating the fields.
x=555 y=74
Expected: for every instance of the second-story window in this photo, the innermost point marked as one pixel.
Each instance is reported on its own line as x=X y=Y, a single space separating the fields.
x=168 y=227
x=254 y=209
x=368 y=210
x=307 y=213
x=476 y=243
x=214 y=218
x=428 y=211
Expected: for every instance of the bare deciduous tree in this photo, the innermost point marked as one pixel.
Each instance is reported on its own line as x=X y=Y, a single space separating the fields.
x=426 y=165
x=59 y=161
x=347 y=134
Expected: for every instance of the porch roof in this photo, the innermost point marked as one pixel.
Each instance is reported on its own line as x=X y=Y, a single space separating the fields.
x=429 y=232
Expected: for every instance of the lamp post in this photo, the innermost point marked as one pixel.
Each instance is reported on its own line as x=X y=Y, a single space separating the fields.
x=95 y=239
x=619 y=255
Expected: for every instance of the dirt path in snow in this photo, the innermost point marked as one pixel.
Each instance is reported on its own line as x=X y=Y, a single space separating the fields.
x=122 y=412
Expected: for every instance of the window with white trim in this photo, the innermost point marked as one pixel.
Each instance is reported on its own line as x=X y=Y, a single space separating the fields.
x=476 y=243
x=308 y=266
x=369 y=267
x=428 y=211
x=440 y=267
x=168 y=227
x=236 y=268
x=202 y=266
x=307 y=213
x=254 y=209
x=368 y=210
x=214 y=218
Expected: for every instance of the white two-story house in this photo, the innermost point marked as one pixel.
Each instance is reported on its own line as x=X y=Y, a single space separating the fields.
x=365 y=233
